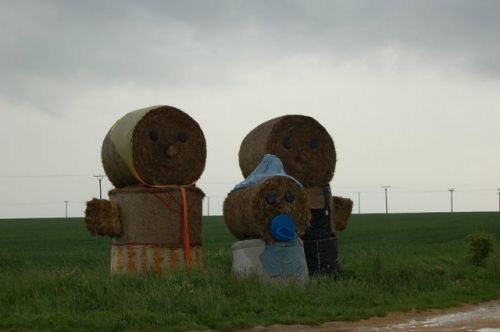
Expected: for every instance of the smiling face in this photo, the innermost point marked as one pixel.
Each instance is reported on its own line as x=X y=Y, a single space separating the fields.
x=168 y=147
x=249 y=212
x=305 y=148
x=280 y=195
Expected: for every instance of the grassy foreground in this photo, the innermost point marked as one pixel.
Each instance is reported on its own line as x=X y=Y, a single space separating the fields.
x=54 y=276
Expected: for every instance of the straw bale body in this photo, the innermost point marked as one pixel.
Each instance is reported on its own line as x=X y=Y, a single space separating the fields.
x=154 y=215
x=156 y=145
x=248 y=213
x=147 y=227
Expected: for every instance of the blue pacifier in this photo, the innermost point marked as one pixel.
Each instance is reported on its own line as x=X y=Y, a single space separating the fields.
x=283 y=228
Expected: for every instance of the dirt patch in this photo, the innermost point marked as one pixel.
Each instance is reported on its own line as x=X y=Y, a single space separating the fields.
x=483 y=318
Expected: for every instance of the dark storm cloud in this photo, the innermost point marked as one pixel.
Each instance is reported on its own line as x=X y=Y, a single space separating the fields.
x=44 y=44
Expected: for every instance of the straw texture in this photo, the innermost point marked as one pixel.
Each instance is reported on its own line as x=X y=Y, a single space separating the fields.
x=154 y=215
x=159 y=145
x=147 y=258
x=342 y=209
x=102 y=217
x=303 y=145
x=248 y=214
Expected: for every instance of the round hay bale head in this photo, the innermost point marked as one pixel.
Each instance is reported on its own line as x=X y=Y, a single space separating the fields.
x=159 y=145
x=249 y=212
x=302 y=143
x=154 y=216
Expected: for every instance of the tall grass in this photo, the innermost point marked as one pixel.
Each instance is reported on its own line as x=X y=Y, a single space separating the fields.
x=54 y=276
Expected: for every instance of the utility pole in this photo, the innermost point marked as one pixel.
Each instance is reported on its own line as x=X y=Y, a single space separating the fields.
x=451 y=190
x=99 y=177
x=359 y=202
x=386 y=205
x=66 y=214
x=208 y=205
x=498 y=200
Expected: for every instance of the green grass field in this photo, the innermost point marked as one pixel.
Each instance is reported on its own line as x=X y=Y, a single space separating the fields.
x=54 y=276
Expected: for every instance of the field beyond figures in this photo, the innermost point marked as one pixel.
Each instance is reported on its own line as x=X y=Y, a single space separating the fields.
x=55 y=277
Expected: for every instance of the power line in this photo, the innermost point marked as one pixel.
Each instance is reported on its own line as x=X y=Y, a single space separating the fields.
x=39 y=203
x=477 y=190
x=419 y=191
x=44 y=176
x=30 y=204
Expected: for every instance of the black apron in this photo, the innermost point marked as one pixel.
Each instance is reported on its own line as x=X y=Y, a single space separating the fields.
x=320 y=243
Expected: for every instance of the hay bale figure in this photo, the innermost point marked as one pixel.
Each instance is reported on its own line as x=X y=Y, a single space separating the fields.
x=152 y=156
x=308 y=154
x=268 y=212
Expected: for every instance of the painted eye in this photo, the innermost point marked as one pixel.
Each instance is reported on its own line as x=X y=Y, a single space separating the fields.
x=182 y=137
x=313 y=143
x=289 y=196
x=154 y=135
x=287 y=143
x=271 y=198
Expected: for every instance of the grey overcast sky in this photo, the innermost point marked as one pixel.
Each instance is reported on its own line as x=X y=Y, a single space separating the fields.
x=409 y=90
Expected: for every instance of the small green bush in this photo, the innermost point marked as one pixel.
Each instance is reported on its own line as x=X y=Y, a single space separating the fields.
x=480 y=246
